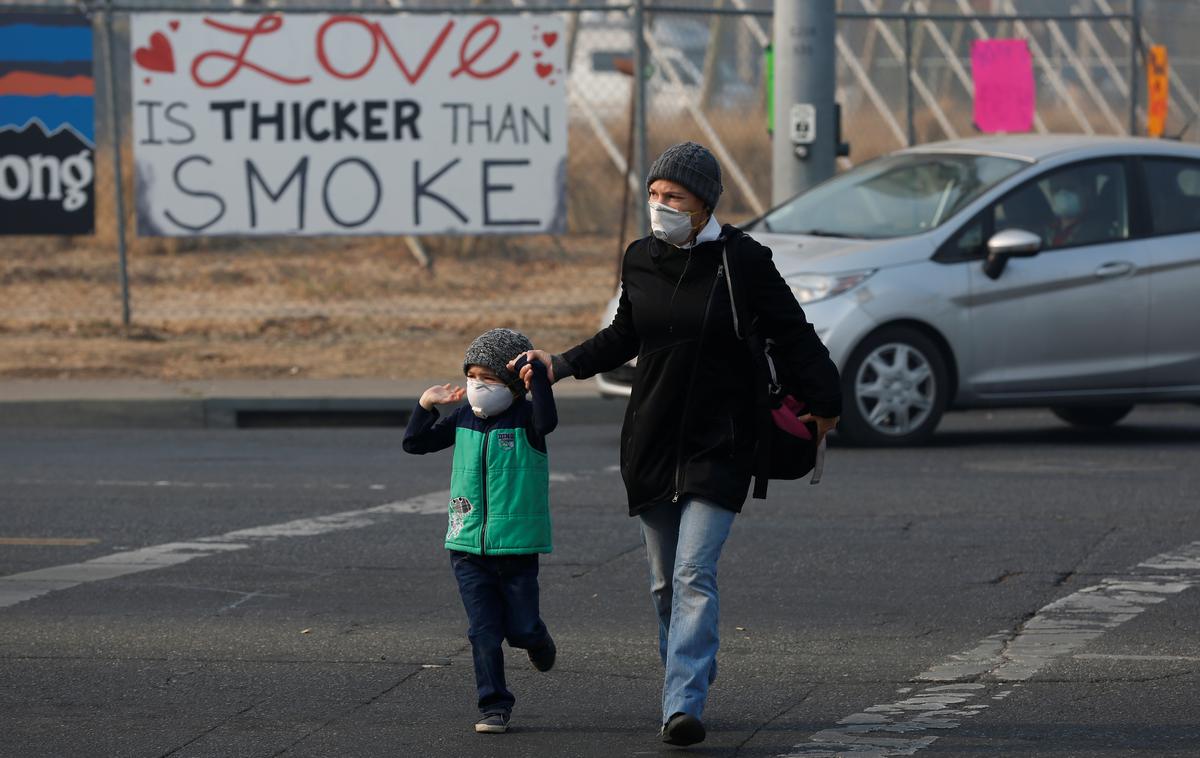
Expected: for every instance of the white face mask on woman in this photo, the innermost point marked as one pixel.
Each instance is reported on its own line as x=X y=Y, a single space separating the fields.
x=488 y=399
x=669 y=224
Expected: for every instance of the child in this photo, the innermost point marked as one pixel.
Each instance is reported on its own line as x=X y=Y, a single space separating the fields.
x=499 y=506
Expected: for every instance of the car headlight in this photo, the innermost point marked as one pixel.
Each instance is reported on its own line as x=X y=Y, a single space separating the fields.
x=809 y=288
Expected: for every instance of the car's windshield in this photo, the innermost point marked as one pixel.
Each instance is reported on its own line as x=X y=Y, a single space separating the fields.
x=893 y=196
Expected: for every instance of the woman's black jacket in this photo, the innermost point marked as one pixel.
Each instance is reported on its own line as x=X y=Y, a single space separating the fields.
x=689 y=427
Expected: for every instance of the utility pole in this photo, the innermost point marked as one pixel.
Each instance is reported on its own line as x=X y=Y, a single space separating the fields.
x=805 y=143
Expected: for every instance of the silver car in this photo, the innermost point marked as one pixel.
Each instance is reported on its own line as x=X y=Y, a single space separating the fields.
x=1058 y=271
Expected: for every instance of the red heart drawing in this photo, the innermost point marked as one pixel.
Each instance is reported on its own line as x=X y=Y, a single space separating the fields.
x=550 y=38
x=537 y=53
x=545 y=69
x=157 y=57
x=174 y=25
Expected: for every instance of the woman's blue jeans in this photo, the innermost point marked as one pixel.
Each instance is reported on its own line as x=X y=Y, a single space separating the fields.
x=683 y=543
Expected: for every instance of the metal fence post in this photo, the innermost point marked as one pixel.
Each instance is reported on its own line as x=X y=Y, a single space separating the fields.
x=641 y=62
x=908 y=82
x=1135 y=43
x=114 y=131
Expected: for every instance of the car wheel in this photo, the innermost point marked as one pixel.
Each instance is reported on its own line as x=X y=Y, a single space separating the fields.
x=895 y=387
x=1095 y=416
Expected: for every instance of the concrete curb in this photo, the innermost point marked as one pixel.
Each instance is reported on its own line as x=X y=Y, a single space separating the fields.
x=253 y=412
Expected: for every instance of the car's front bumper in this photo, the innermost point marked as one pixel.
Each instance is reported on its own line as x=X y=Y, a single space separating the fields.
x=841 y=323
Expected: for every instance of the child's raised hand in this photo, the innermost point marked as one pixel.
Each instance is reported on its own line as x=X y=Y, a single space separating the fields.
x=441 y=394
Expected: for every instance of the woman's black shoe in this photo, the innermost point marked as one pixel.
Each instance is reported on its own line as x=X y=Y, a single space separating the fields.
x=683 y=729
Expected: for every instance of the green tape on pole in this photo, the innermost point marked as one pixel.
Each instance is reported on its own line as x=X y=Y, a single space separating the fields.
x=769 y=78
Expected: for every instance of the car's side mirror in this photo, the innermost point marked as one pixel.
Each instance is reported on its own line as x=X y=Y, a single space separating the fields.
x=1010 y=243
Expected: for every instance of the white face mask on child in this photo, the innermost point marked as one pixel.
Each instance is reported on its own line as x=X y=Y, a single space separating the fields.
x=670 y=225
x=488 y=399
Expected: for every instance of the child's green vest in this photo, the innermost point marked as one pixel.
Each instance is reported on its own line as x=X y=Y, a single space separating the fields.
x=503 y=507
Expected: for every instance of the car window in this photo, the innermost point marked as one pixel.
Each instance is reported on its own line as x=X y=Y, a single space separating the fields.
x=893 y=196
x=968 y=243
x=1083 y=204
x=1174 y=195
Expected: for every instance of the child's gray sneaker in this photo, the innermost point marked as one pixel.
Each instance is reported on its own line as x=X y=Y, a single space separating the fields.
x=493 y=723
x=543 y=657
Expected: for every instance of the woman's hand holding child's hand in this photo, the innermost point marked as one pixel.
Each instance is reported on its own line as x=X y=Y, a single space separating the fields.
x=526 y=374
x=442 y=394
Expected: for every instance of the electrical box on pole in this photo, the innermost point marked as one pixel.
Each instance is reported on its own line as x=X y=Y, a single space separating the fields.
x=805 y=140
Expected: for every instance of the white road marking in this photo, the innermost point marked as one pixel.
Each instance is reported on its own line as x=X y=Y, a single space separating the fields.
x=1113 y=657
x=243 y=596
x=1187 y=558
x=1008 y=656
x=1072 y=467
x=940 y=707
x=555 y=476
x=48 y=541
x=194 y=485
x=17 y=588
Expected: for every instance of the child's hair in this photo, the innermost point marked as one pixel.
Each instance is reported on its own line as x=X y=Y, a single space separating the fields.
x=493 y=350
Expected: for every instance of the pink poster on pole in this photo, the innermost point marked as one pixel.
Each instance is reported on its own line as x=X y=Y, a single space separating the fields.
x=1004 y=92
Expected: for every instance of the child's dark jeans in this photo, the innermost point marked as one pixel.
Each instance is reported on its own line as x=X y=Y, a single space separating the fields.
x=500 y=594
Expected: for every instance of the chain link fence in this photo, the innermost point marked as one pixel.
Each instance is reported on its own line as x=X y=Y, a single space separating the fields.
x=393 y=306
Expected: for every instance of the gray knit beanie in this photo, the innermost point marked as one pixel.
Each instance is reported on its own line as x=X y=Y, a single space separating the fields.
x=692 y=166
x=494 y=349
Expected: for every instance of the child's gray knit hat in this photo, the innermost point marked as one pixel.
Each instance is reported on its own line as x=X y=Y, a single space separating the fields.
x=692 y=166
x=494 y=349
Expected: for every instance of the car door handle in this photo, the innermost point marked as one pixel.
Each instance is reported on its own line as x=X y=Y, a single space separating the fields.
x=1114 y=269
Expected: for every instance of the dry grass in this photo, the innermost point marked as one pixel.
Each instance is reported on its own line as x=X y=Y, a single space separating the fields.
x=366 y=310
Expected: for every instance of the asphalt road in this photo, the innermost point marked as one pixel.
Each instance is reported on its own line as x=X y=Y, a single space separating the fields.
x=1019 y=588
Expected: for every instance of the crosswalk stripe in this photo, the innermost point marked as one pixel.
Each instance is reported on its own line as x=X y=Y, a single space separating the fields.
x=17 y=588
x=1002 y=659
x=48 y=541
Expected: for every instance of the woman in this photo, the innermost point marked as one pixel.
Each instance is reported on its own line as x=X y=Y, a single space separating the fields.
x=687 y=443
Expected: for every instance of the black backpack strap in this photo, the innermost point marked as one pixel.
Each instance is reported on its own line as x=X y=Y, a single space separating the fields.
x=742 y=327
x=737 y=295
x=738 y=299
x=735 y=299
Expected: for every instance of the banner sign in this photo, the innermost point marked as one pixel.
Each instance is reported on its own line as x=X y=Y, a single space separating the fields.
x=47 y=124
x=349 y=124
x=1005 y=99
x=1156 y=90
